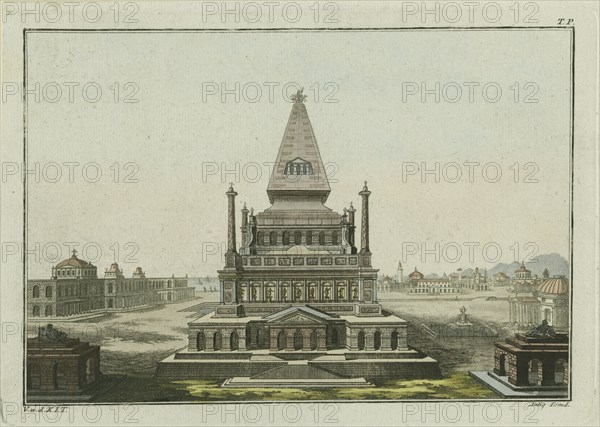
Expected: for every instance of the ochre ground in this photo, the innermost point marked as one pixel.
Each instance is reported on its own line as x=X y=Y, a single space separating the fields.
x=132 y=343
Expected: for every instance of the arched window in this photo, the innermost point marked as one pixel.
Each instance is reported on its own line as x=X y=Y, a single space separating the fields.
x=36 y=311
x=298 y=340
x=234 y=341
x=286 y=237
x=273 y=238
x=200 y=341
x=281 y=340
x=260 y=238
x=313 y=340
x=90 y=370
x=394 y=339
x=48 y=291
x=335 y=238
x=217 y=341
x=48 y=311
x=561 y=372
x=335 y=339
x=322 y=238
x=535 y=370
x=260 y=338
x=377 y=340
x=36 y=291
x=361 y=340
x=297 y=238
x=309 y=240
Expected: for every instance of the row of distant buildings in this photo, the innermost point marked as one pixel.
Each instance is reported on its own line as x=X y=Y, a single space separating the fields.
x=74 y=288
x=416 y=282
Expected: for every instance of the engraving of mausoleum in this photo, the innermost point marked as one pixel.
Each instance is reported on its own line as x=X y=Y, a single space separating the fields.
x=298 y=286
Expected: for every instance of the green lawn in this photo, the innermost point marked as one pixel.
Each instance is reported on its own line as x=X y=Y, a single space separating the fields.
x=456 y=386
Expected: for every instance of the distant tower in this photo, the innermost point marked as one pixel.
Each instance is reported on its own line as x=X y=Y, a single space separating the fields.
x=400 y=273
x=546 y=274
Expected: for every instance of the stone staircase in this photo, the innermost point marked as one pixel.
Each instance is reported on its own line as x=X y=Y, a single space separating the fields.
x=296 y=374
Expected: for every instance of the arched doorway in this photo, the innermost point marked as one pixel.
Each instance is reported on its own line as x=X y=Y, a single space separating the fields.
x=217 y=341
x=502 y=364
x=58 y=378
x=377 y=340
x=249 y=337
x=535 y=372
x=281 y=340
x=200 y=341
x=561 y=372
x=335 y=339
x=313 y=340
x=361 y=340
x=298 y=340
x=34 y=376
x=90 y=371
x=234 y=341
x=394 y=339
x=260 y=338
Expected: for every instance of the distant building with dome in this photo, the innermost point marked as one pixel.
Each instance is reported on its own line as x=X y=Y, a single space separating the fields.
x=524 y=281
x=549 y=301
x=74 y=288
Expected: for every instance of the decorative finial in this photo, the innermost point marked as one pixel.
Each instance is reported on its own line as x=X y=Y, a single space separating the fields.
x=299 y=97
x=74 y=252
x=351 y=207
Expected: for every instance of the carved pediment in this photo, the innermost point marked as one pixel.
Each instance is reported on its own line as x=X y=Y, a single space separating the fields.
x=297 y=315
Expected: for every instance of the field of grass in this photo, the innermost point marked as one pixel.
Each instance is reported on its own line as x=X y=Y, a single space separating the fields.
x=456 y=386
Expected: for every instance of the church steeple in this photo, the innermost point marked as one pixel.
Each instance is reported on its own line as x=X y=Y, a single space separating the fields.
x=298 y=170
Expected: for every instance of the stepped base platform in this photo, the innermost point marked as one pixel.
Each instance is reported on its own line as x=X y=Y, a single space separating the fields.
x=332 y=368
x=502 y=387
x=84 y=395
x=295 y=374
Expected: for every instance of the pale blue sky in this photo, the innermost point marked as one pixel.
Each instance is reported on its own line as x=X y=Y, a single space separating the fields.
x=368 y=134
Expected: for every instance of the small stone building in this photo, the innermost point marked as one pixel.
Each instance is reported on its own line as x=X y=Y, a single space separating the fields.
x=58 y=363
x=533 y=361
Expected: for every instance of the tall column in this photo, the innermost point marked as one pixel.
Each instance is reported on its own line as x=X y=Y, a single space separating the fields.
x=351 y=228
x=231 y=220
x=244 y=224
x=364 y=231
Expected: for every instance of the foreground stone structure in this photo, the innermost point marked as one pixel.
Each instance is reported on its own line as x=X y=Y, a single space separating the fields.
x=532 y=364
x=298 y=289
x=57 y=363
